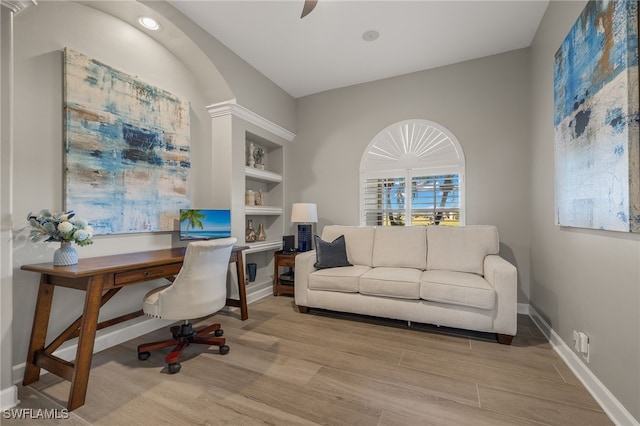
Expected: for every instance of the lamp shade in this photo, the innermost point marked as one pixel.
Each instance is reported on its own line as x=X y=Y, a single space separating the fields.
x=304 y=213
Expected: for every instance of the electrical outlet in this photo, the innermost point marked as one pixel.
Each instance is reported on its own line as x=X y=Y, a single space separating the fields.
x=583 y=345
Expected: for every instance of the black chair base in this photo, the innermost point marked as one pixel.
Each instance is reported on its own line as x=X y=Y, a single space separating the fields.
x=183 y=336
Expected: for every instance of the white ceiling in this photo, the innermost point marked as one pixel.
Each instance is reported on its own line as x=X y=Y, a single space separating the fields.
x=325 y=50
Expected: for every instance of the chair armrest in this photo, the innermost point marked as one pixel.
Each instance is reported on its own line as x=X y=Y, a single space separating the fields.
x=304 y=266
x=503 y=277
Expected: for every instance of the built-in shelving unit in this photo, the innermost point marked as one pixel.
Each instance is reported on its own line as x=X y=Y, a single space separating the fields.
x=269 y=183
x=233 y=128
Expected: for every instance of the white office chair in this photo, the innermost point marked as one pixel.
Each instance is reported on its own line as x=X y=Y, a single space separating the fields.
x=199 y=289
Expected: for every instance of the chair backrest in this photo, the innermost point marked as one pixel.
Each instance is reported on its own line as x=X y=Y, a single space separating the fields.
x=200 y=288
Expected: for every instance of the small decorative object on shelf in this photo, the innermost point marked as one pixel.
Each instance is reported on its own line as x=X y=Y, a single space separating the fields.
x=61 y=227
x=250 y=234
x=258 y=198
x=262 y=236
x=258 y=156
x=249 y=198
x=250 y=154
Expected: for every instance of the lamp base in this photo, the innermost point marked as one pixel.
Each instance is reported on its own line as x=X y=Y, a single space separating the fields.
x=304 y=237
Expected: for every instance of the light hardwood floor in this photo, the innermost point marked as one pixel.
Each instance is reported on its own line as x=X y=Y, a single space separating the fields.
x=287 y=368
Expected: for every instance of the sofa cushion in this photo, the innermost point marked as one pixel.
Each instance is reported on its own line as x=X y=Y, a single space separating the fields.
x=358 y=239
x=457 y=288
x=461 y=248
x=331 y=254
x=402 y=283
x=337 y=279
x=400 y=246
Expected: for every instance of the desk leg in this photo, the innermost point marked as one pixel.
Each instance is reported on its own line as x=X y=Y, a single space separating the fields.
x=88 y=327
x=242 y=291
x=38 y=330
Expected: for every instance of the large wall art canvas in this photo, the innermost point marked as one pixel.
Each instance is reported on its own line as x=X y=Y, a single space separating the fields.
x=127 y=149
x=597 y=160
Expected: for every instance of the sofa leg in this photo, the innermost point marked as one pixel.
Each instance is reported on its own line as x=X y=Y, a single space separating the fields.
x=504 y=339
x=303 y=309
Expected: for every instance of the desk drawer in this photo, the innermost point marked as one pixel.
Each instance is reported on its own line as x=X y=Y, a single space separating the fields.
x=125 y=278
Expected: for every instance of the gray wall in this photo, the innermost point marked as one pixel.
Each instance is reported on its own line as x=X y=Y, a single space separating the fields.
x=484 y=103
x=251 y=89
x=41 y=33
x=581 y=279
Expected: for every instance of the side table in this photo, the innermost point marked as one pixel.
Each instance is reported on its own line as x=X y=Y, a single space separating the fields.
x=283 y=280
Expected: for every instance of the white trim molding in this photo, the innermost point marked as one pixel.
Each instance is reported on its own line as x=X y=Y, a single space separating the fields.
x=104 y=340
x=523 y=309
x=231 y=107
x=17 y=6
x=9 y=398
x=609 y=403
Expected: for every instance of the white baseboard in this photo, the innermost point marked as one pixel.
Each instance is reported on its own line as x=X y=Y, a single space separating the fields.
x=104 y=339
x=614 y=409
x=260 y=294
x=9 y=397
x=111 y=337
x=523 y=308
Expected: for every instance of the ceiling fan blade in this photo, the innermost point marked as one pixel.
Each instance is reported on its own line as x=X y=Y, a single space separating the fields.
x=309 y=5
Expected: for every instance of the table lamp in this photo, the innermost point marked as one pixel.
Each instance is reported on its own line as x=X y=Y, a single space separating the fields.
x=304 y=214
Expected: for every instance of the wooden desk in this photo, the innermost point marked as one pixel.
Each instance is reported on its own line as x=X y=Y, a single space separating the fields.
x=95 y=276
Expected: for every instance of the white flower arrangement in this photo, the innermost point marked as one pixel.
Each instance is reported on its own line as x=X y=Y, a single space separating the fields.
x=61 y=227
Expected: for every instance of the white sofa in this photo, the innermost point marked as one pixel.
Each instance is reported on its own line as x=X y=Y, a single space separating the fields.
x=447 y=276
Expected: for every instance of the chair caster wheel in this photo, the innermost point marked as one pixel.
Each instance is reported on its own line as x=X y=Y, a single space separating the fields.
x=143 y=355
x=174 y=368
x=218 y=333
x=224 y=349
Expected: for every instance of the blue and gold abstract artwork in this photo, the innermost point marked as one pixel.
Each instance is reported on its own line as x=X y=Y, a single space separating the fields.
x=597 y=154
x=126 y=149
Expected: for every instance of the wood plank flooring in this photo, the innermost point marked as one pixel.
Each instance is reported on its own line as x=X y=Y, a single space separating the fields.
x=287 y=368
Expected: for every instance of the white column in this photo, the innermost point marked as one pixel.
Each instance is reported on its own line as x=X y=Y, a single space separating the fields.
x=8 y=391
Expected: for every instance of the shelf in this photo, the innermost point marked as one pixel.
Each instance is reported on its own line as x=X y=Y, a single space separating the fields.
x=262 y=210
x=262 y=175
x=263 y=246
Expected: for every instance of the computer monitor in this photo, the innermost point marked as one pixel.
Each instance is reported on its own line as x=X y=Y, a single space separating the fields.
x=204 y=224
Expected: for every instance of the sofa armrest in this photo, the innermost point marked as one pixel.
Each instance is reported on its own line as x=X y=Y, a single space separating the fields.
x=503 y=277
x=304 y=266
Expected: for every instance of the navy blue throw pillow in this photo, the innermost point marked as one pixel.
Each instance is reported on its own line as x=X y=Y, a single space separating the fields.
x=331 y=254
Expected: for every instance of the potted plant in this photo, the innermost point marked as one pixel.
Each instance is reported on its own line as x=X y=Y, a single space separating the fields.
x=62 y=227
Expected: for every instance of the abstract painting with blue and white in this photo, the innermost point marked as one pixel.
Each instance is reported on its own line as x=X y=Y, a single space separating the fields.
x=127 y=149
x=597 y=169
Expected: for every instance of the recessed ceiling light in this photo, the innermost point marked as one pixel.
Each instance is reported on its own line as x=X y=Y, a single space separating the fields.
x=149 y=23
x=370 y=35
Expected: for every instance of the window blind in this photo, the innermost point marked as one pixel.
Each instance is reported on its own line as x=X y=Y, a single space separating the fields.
x=384 y=201
x=433 y=200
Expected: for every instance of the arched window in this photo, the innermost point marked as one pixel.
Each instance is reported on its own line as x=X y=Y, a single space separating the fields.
x=412 y=173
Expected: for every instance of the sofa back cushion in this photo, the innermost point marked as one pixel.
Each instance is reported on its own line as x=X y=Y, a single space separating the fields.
x=461 y=248
x=358 y=239
x=400 y=247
